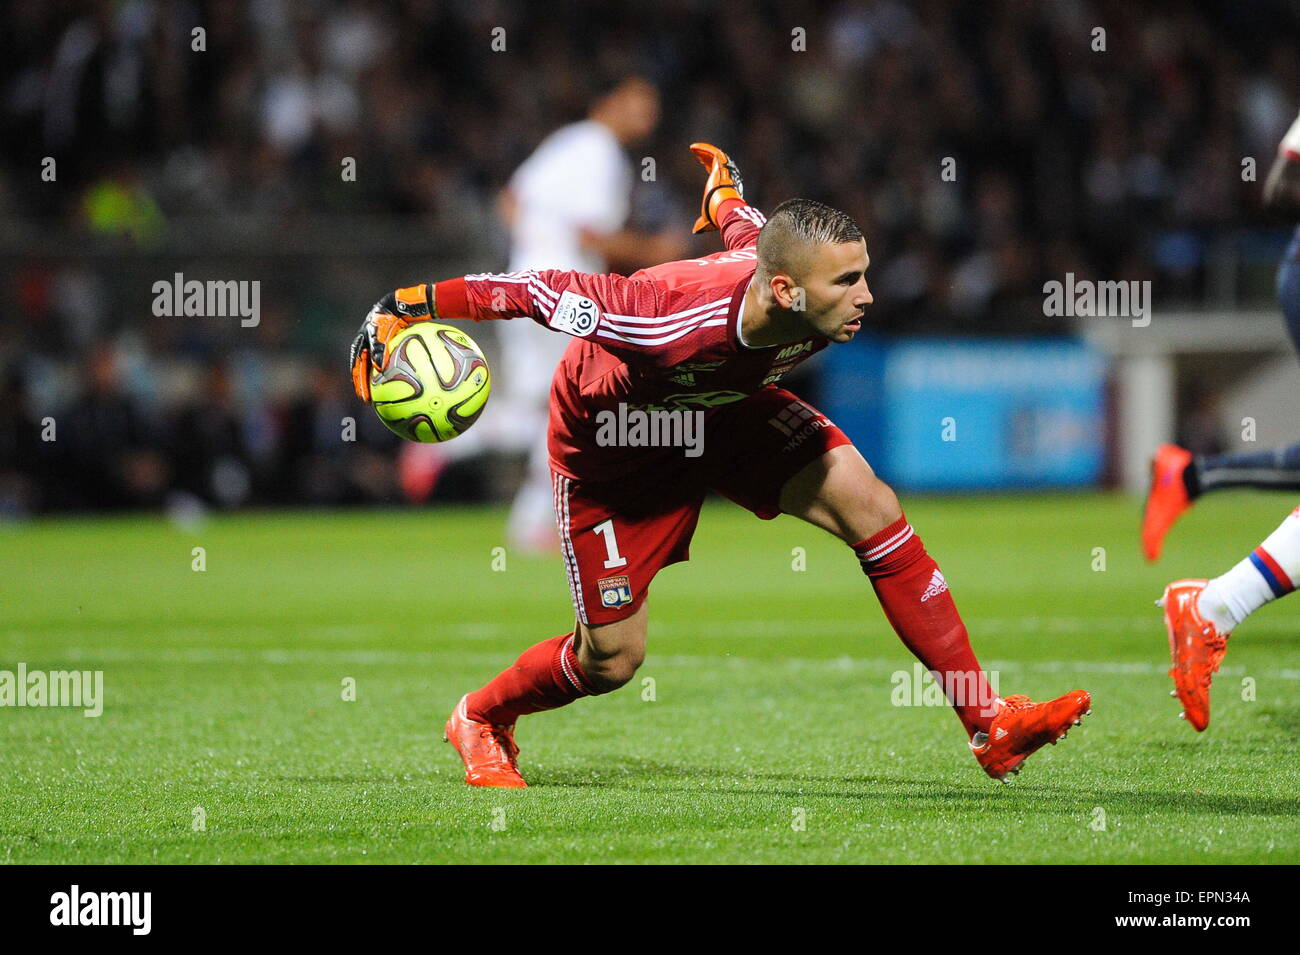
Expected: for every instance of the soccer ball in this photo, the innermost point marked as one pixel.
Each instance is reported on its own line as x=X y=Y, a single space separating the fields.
x=433 y=385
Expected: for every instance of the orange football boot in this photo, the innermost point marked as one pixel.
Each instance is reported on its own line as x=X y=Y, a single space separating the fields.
x=1196 y=647
x=1167 y=498
x=1021 y=727
x=489 y=751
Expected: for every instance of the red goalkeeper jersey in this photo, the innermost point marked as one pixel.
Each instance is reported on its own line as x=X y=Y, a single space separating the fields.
x=665 y=338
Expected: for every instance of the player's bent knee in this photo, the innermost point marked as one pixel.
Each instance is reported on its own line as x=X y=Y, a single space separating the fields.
x=610 y=653
x=865 y=509
x=881 y=503
x=613 y=672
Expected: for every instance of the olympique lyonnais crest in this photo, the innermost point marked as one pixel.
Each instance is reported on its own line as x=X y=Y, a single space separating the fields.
x=615 y=591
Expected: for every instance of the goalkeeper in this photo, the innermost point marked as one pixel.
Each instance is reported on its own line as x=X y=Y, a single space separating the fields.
x=715 y=334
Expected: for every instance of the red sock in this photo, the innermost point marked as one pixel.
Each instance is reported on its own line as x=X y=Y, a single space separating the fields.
x=546 y=676
x=916 y=600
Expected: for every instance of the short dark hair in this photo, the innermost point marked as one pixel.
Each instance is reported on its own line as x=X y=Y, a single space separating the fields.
x=796 y=224
x=605 y=81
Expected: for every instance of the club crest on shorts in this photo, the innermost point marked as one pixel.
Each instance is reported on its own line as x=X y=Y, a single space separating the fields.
x=615 y=591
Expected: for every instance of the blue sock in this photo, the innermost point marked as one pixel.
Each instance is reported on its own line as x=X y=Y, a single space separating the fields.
x=1277 y=469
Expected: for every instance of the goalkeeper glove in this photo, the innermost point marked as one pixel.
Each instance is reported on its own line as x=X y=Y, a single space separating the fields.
x=386 y=318
x=724 y=183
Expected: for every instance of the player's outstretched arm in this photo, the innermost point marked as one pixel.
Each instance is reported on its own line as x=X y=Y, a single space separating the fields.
x=723 y=206
x=610 y=309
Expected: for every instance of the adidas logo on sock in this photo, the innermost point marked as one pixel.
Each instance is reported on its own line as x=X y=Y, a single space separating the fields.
x=935 y=587
x=1001 y=734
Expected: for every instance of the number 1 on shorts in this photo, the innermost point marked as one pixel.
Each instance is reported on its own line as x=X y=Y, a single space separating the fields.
x=612 y=557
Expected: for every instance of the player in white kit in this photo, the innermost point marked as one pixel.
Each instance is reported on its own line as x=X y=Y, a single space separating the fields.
x=566 y=208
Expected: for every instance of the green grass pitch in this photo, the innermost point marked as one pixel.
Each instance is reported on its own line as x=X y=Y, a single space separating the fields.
x=771 y=736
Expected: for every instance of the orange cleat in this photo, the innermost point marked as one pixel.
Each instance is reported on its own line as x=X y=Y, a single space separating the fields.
x=489 y=752
x=1196 y=647
x=1021 y=727
x=1167 y=498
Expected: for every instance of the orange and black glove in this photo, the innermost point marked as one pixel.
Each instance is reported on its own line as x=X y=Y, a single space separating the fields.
x=724 y=183
x=386 y=318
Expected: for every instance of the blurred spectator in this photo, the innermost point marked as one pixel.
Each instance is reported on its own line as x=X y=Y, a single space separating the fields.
x=317 y=466
x=23 y=457
x=207 y=444
x=112 y=458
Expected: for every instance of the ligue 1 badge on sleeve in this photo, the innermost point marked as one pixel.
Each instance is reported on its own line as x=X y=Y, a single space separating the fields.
x=575 y=314
x=615 y=591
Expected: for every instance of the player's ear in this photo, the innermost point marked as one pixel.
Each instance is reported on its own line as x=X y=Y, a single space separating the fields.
x=783 y=289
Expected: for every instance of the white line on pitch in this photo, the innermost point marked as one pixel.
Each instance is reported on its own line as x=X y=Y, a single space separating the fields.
x=233 y=656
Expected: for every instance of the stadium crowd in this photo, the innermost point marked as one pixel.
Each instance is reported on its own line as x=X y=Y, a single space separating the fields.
x=1122 y=162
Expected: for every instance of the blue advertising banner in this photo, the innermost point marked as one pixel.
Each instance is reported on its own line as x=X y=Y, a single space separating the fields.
x=984 y=414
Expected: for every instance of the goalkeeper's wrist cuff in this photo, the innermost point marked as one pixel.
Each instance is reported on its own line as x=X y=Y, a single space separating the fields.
x=726 y=206
x=414 y=303
x=716 y=198
x=449 y=299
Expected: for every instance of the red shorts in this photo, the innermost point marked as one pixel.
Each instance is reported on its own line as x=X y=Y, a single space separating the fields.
x=616 y=535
